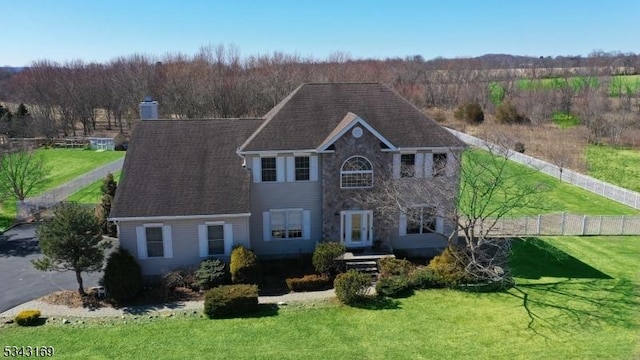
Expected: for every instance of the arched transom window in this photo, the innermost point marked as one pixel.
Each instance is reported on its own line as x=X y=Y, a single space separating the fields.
x=356 y=172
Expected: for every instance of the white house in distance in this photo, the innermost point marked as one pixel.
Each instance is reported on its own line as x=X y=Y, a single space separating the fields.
x=281 y=183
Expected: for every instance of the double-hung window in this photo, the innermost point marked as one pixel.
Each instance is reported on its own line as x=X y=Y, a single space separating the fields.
x=302 y=168
x=155 y=243
x=215 y=239
x=268 y=166
x=407 y=165
x=286 y=224
x=439 y=164
x=421 y=220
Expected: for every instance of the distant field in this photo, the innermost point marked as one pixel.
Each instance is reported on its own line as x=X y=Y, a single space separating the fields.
x=565 y=121
x=619 y=84
x=92 y=193
x=617 y=166
x=624 y=84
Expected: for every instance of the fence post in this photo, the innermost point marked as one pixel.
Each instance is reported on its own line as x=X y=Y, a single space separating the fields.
x=526 y=220
x=538 y=226
x=600 y=226
x=562 y=224
x=622 y=225
x=584 y=224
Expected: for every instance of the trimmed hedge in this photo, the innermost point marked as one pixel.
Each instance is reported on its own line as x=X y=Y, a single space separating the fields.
x=245 y=268
x=231 y=300
x=311 y=282
x=324 y=256
x=27 y=317
x=424 y=278
x=122 y=276
x=351 y=286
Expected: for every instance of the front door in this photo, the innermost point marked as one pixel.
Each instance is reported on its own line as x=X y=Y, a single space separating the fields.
x=357 y=227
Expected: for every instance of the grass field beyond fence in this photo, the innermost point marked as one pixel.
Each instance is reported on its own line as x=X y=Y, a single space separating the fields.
x=66 y=165
x=614 y=165
x=575 y=298
x=92 y=194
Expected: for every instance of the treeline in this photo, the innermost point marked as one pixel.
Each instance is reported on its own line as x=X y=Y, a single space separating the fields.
x=64 y=99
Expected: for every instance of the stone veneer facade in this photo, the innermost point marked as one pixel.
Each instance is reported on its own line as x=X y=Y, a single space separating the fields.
x=336 y=199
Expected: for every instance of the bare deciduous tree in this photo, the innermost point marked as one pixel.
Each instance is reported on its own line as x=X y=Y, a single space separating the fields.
x=21 y=173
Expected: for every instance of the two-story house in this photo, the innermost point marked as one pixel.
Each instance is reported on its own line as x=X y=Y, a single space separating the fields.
x=279 y=184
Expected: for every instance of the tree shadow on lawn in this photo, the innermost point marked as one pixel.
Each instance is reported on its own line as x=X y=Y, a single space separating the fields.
x=577 y=297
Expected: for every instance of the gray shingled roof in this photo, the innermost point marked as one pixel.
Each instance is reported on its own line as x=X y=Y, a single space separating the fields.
x=306 y=117
x=185 y=167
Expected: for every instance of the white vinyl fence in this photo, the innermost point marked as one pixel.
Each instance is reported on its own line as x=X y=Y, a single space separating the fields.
x=610 y=191
x=565 y=224
x=54 y=196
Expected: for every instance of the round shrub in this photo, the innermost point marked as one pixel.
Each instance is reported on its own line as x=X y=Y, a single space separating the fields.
x=507 y=113
x=27 y=317
x=351 y=286
x=449 y=268
x=392 y=266
x=245 y=268
x=311 y=282
x=324 y=256
x=211 y=273
x=470 y=113
x=122 y=276
x=393 y=286
x=519 y=147
x=230 y=300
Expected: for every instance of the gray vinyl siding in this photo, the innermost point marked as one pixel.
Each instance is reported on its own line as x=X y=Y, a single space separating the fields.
x=186 y=248
x=265 y=196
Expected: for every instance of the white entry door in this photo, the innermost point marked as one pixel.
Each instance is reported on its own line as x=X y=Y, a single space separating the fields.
x=357 y=227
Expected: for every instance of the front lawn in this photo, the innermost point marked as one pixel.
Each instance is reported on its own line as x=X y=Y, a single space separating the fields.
x=575 y=298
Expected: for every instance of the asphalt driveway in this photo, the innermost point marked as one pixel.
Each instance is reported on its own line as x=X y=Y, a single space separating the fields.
x=20 y=281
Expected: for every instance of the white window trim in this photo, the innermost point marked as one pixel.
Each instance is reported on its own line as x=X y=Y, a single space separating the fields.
x=141 y=241
x=343 y=172
x=306 y=224
x=203 y=238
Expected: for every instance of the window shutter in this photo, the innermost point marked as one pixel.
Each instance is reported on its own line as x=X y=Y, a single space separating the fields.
x=306 y=225
x=203 y=240
x=257 y=169
x=370 y=230
x=228 y=238
x=167 y=243
x=291 y=169
x=266 y=226
x=449 y=165
x=402 y=225
x=280 y=169
x=439 y=225
x=313 y=168
x=141 y=239
x=428 y=165
x=419 y=167
x=396 y=166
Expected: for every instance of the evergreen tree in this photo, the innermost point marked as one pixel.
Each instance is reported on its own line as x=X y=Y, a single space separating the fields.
x=71 y=241
x=108 y=188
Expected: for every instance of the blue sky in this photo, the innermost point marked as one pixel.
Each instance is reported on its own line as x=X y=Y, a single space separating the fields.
x=62 y=30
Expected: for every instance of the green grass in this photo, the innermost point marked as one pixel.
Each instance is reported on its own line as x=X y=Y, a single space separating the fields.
x=575 y=298
x=615 y=165
x=552 y=195
x=624 y=84
x=92 y=193
x=65 y=164
x=68 y=164
x=564 y=120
